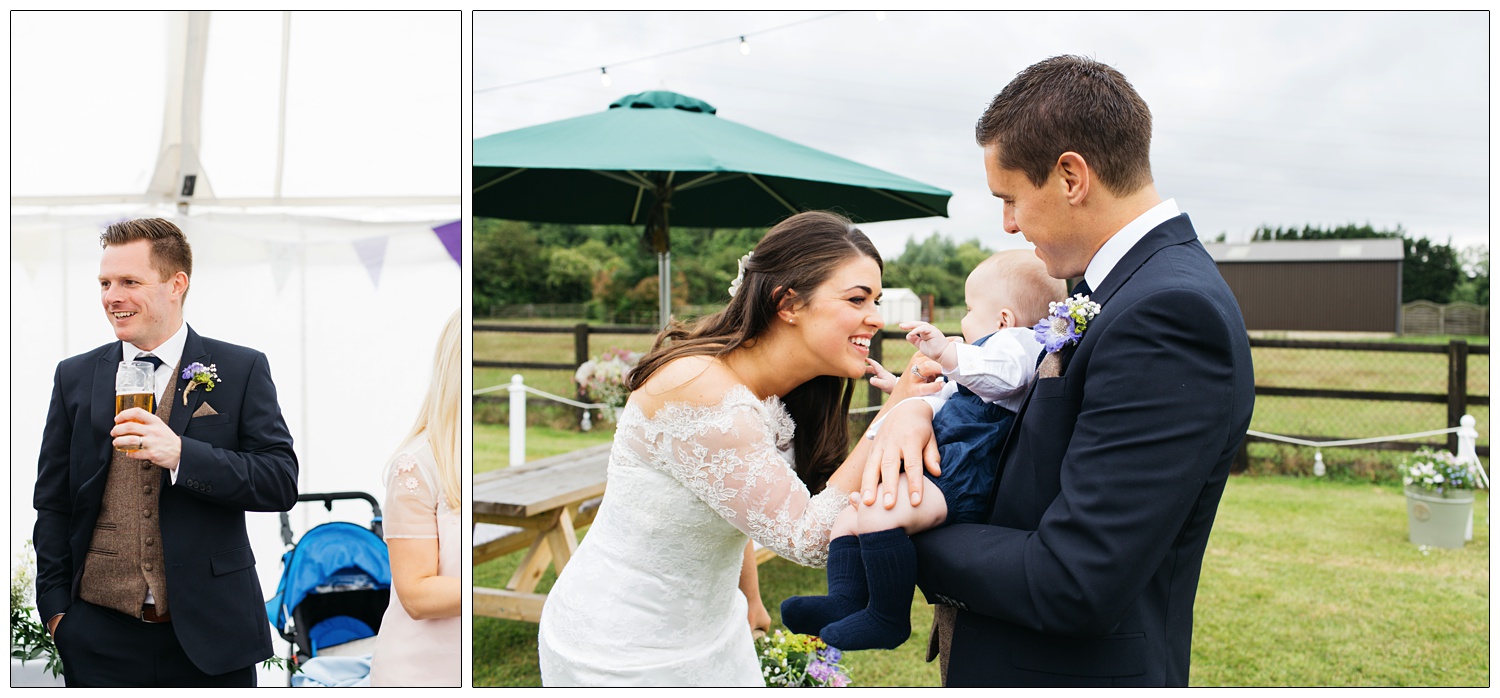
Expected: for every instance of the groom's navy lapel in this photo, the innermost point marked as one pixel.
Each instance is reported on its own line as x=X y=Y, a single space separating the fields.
x=192 y=350
x=1173 y=231
x=102 y=407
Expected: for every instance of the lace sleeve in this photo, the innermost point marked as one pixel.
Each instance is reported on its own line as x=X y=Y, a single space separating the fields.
x=728 y=456
x=410 y=503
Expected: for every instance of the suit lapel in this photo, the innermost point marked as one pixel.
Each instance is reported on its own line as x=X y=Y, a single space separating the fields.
x=1173 y=231
x=102 y=401
x=192 y=351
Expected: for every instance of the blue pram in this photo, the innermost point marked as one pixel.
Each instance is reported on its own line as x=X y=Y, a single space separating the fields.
x=335 y=582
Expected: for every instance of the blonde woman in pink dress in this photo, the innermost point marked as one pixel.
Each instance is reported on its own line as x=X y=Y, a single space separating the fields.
x=420 y=637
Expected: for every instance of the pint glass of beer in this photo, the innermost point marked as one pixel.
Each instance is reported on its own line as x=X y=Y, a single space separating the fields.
x=135 y=386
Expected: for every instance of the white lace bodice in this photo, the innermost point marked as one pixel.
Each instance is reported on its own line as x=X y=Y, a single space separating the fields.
x=652 y=595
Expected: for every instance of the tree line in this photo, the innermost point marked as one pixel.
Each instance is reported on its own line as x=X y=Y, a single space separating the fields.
x=612 y=270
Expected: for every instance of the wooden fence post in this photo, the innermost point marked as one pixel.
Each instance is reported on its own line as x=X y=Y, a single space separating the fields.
x=1242 y=458
x=1458 y=386
x=877 y=353
x=580 y=343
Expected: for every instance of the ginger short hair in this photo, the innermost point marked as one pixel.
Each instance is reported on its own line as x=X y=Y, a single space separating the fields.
x=170 y=251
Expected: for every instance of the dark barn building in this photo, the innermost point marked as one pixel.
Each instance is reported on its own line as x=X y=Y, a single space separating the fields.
x=1315 y=285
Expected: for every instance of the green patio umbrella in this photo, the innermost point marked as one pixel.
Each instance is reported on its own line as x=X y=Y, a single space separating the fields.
x=661 y=158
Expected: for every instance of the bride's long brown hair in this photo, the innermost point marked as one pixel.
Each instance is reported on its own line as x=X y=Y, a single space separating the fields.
x=798 y=254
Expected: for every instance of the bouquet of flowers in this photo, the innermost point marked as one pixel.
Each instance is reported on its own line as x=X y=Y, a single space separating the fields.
x=602 y=379
x=1437 y=473
x=792 y=660
x=29 y=638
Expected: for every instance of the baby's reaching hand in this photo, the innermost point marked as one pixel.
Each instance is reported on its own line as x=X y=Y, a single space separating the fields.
x=928 y=339
x=881 y=378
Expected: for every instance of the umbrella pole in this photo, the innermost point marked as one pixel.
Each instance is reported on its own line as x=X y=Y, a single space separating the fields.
x=664 y=287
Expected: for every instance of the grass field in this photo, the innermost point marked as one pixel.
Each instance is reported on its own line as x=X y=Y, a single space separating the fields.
x=1305 y=583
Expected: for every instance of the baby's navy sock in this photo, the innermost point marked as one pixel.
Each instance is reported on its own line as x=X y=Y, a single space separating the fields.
x=847 y=593
x=890 y=563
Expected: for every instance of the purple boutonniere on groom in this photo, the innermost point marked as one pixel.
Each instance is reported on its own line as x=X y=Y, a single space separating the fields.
x=1065 y=322
x=1064 y=325
x=197 y=374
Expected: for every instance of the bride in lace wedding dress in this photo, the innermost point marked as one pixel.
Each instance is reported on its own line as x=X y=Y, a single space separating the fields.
x=707 y=452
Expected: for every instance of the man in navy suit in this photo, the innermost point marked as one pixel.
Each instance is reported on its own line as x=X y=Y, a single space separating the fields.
x=145 y=574
x=1086 y=571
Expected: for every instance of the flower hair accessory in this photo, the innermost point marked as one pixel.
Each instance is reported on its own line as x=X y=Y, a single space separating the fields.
x=1065 y=322
x=197 y=374
x=734 y=286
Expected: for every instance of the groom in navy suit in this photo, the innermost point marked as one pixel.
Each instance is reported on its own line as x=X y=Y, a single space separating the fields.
x=145 y=574
x=1086 y=571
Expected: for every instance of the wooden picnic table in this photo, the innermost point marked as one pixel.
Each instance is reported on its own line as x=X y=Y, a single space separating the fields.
x=536 y=507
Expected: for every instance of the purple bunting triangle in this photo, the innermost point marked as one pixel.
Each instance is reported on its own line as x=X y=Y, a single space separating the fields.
x=371 y=251
x=451 y=234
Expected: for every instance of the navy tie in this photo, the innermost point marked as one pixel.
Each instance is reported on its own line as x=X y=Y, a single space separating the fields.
x=152 y=359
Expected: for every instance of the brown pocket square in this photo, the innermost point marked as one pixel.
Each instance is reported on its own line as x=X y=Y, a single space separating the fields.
x=205 y=410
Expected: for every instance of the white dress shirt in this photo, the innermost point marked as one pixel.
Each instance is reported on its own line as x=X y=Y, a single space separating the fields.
x=1114 y=249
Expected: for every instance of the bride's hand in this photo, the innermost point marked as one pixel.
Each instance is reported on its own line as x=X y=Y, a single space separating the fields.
x=904 y=441
x=760 y=619
x=905 y=438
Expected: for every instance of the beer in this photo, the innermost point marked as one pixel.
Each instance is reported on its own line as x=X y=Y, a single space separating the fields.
x=135 y=386
x=145 y=401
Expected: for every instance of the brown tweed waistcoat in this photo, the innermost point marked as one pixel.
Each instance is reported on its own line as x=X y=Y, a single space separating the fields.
x=124 y=557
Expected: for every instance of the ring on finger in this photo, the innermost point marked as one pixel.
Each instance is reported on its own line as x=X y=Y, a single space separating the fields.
x=916 y=372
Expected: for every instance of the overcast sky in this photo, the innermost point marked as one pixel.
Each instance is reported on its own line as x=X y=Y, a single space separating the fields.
x=1260 y=118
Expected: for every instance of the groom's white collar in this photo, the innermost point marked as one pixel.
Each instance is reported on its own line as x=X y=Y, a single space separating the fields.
x=170 y=351
x=1114 y=249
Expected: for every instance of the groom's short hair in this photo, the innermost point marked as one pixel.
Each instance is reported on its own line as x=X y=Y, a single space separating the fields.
x=1071 y=103
x=170 y=251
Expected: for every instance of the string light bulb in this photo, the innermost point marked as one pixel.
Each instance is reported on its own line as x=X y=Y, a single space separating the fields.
x=744 y=47
x=604 y=76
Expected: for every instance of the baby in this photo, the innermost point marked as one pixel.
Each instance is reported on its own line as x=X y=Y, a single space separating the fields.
x=872 y=567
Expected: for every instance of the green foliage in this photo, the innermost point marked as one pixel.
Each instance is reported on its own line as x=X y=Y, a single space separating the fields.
x=609 y=268
x=936 y=266
x=1429 y=271
x=1474 y=261
x=613 y=271
x=29 y=639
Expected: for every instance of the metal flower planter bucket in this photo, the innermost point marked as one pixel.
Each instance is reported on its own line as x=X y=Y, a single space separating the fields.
x=1439 y=521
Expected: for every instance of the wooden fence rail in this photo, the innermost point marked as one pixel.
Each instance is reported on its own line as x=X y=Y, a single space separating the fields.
x=1456 y=397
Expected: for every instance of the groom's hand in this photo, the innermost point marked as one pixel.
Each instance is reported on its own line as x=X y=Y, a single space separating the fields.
x=148 y=437
x=905 y=440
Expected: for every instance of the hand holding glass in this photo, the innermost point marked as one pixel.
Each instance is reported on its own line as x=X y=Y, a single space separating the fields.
x=135 y=386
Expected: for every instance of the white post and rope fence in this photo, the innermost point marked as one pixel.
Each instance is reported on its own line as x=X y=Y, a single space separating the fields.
x=518 y=391
x=1467 y=453
x=1468 y=436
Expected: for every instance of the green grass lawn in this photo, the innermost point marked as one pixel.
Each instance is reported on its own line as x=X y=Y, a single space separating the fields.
x=492 y=443
x=1305 y=583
